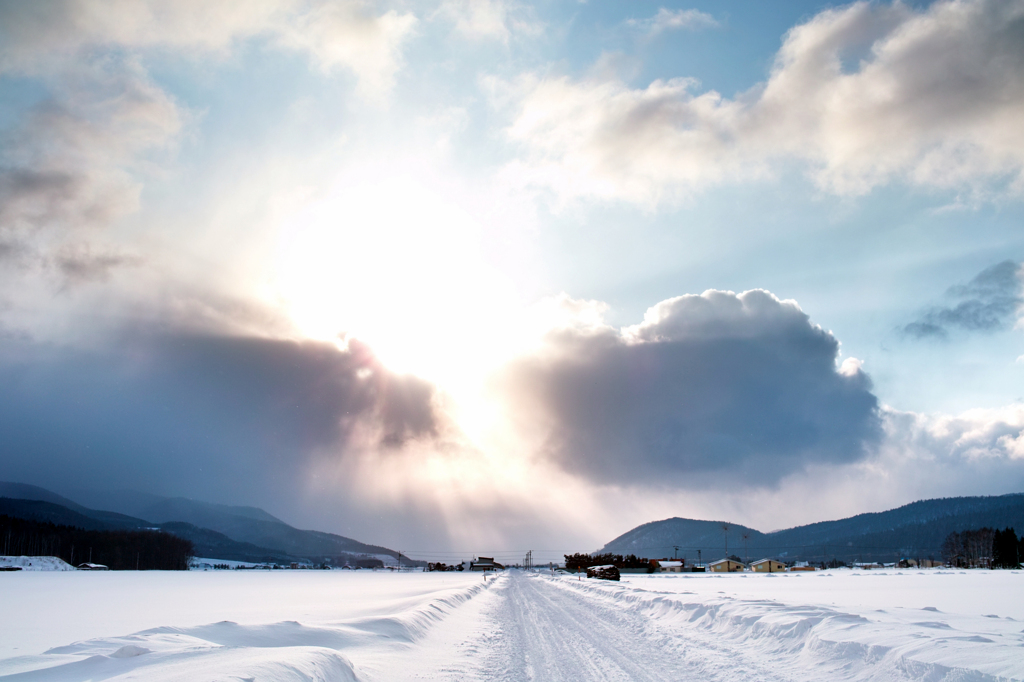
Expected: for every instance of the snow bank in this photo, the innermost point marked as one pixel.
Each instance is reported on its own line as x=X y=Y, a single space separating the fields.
x=346 y=615
x=881 y=629
x=36 y=563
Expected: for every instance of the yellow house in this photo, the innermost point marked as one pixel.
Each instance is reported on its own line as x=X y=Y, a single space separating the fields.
x=726 y=566
x=768 y=566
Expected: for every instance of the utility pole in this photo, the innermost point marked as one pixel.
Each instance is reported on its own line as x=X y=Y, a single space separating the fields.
x=399 y=560
x=675 y=551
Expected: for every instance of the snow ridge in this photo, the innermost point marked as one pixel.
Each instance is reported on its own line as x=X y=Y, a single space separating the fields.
x=828 y=641
x=36 y=563
x=275 y=652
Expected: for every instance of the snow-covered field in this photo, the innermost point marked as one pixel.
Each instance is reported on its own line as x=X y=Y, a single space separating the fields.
x=362 y=625
x=35 y=563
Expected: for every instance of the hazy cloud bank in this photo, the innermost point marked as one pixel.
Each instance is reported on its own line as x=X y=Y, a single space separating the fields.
x=861 y=95
x=673 y=20
x=40 y=36
x=75 y=156
x=73 y=164
x=724 y=401
x=490 y=19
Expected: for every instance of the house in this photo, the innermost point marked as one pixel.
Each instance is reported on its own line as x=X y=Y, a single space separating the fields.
x=92 y=567
x=666 y=566
x=768 y=566
x=918 y=563
x=726 y=566
x=485 y=563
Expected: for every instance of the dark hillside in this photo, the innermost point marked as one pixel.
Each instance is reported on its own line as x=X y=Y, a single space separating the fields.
x=914 y=530
x=219 y=531
x=659 y=539
x=49 y=512
x=24 y=491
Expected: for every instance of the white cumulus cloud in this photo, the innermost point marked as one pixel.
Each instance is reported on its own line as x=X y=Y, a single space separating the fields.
x=861 y=96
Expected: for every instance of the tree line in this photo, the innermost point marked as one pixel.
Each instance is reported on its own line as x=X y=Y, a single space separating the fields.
x=580 y=562
x=118 y=550
x=983 y=548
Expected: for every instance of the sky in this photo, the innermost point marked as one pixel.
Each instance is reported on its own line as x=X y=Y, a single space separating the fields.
x=459 y=276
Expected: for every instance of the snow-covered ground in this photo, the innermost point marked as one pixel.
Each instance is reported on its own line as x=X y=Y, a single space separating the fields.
x=338 y=625
x=36 y=563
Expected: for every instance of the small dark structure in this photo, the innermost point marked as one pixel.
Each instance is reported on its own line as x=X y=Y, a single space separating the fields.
x=608 y=572
x=92 y=567
x=485 y=563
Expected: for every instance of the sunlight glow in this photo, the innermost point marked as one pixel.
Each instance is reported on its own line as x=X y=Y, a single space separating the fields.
x=398 y=264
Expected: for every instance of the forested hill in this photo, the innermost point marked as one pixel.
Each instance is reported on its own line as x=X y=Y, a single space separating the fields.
x=218 y=531
x=914 y=530
x=658 y=539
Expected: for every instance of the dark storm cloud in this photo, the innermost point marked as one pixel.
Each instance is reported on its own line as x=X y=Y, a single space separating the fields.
x=987 y=303
x=715 y=389
x=202 y=415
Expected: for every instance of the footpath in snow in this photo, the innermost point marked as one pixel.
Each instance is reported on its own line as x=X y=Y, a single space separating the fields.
x=307 y=625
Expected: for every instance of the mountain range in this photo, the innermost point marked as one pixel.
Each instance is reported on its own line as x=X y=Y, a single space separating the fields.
x=915 y=530
x=244 y=533
x=218 y=531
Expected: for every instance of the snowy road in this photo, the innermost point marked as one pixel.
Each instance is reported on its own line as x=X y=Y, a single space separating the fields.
x=552 y=630
x=558 y=634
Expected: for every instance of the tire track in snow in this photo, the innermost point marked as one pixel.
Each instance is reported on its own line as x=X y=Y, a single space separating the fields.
x=547 y=632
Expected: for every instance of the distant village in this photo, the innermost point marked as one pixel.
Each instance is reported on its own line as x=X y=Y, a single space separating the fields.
x=984 y=548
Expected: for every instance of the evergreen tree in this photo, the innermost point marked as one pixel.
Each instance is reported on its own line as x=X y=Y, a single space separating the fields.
x=1011 y=552
x=1005 y=548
